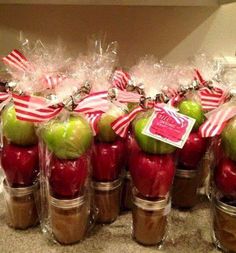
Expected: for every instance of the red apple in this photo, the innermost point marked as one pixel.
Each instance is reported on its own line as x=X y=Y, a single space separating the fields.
x=67 y=177
x=152 y=174
x=132 y=145
x=107 y=160
x=193 y=150
x=20 y=164
x=225 y=177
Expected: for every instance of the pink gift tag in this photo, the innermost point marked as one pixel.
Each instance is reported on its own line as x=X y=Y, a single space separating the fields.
x=169 y=126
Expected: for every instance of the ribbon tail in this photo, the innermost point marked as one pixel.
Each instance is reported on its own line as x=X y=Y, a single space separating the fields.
x=217 y=120
x=93 y=120
x=121 y=124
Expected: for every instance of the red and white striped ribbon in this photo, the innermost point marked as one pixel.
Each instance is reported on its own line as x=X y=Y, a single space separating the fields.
x=217 y=119
x=121 y=124
x=4 y=96
x=128 y=97
x=33 y=109
x=199 y=77
x=18 y=60
x=210 y=98
x=173 y=95
x=93 y=102
x=51 y=81
x=120 y=79
x=37 y=109
x=93 y=119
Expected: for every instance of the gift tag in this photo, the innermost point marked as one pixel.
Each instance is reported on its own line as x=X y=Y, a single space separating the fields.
x=169 y=126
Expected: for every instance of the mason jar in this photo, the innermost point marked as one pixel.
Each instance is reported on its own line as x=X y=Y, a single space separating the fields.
x=184 y=192
x=107 y=199
x=150 y=220
x=69 y=219
x=224 y=223
x=21 y=205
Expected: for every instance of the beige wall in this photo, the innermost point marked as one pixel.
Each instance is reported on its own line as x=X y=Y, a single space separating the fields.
x=170 y=33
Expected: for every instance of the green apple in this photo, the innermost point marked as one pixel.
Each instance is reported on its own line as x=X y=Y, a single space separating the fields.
x=193 y=110
x=105 y=131
x=229 y=139
x=17 y=131
x=132 y=106
x=68 y=139
x=149 y=144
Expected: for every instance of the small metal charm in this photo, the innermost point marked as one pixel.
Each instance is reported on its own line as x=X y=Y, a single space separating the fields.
x=86 y=88
x=209 y=84
x=11 y=86
x=145 y=102
x=195 y=85
x=112 y=94
x=69 y=103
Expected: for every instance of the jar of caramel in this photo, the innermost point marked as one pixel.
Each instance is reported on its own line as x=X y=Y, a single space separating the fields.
x=21 y=205
x=127 y=202
x=184 y=192
x=150 y=220
x=69 y=219
x=107 y=198
x=224 y=223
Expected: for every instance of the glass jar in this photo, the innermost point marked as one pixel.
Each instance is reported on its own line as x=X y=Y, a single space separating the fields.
x=21 y=205
x=107 y=198
x=224 y=223
x=69 y=219
x=184 y=192
x=127 y=202
x=150 y=220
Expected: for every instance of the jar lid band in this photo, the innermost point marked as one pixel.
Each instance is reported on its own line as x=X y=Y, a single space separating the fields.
x=186 y=173
x=20 y=191
x=67 y=203
x=227 y=208
x=106 y=186
x=153 y=205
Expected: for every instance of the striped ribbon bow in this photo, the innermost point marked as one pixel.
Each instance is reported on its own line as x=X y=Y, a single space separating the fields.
x=52 y=80
x=211 y=98
x=121 y=124
x=127 y=97
x=18 y=61
x=30 y=108
x=93 y=106
x=217 y=119
x=120 y=79
x=38 y=109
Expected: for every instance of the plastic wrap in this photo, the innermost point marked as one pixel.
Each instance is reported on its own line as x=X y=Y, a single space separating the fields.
x=36 y=72
x=220 y=127
x=4 y=80
x=223 y=188
x=108 y=152
x=65 y=147
x=108 y=161
x=189 y=172
x=20 y=164
x=150 y=162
